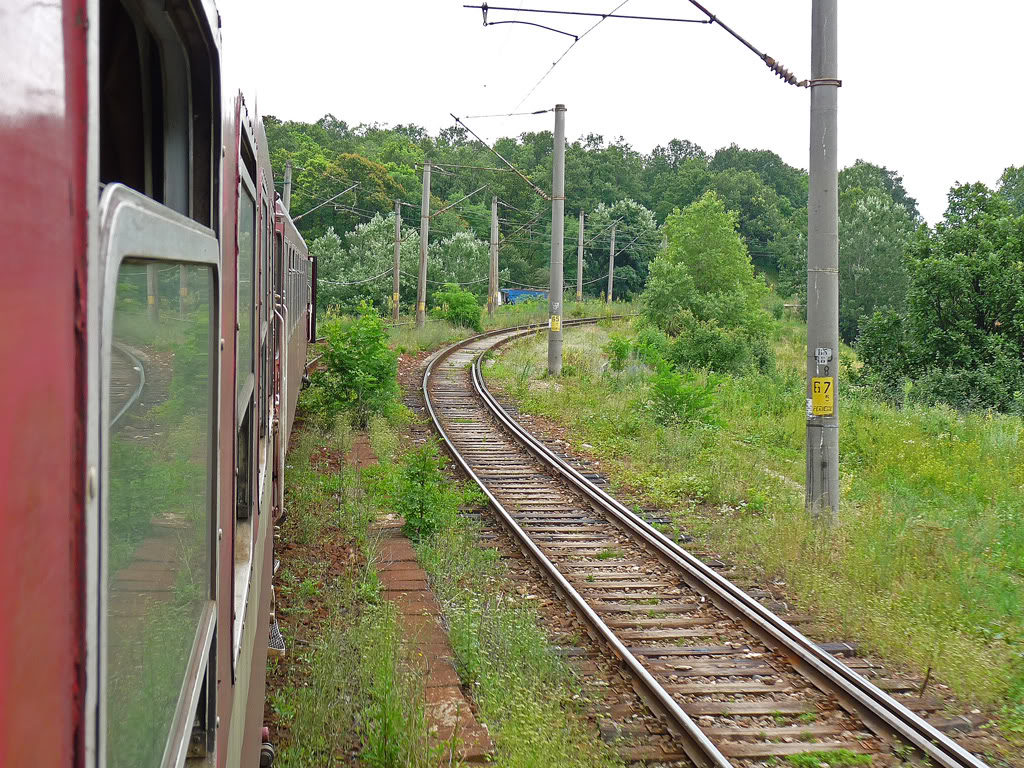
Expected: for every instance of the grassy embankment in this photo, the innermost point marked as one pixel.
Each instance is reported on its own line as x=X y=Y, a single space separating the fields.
x=926 y=566
x=348 y=690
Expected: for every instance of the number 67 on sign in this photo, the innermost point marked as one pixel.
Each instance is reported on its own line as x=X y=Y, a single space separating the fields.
x=822 y=393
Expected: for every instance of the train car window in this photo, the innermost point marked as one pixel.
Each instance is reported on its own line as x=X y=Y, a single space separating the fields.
x=158 y=88
x=264 y=293
x=159 y=519
x=246 y=261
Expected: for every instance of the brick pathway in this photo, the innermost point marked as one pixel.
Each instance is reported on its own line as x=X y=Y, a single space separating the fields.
x=405 y=584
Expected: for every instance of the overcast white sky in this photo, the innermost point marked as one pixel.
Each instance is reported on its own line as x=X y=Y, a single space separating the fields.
x=930 y=89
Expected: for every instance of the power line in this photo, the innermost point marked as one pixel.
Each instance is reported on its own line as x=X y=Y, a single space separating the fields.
x=493 y=151
x=449 y=282
x=509 y=114
x=771 y=63
x=603 y=16
x=565 y=53
x=356 y=282
x=470 y=167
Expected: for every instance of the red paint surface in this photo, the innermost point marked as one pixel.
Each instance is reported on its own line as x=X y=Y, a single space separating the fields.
x=42 y=395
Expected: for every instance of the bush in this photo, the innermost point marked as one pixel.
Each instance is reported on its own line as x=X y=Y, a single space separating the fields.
x=682 y=398
x=705 y=344
x=459 y=307
x=651 y=344
x=362 y=372
x=618 y=350
x=424 y=496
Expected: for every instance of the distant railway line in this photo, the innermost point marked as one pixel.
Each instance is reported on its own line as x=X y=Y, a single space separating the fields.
x=734 y=683
x=127 y=379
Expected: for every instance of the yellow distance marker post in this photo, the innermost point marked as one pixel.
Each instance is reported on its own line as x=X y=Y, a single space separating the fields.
x=556 y=323
x=822 y=393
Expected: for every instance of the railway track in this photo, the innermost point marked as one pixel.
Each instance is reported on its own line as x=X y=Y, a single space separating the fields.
x=127 y=379
x=735 y=684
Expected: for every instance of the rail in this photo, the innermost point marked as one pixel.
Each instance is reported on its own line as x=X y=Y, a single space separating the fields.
x=881 y=713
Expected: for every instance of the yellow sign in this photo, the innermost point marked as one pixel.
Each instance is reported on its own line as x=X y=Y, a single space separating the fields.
x=822 y=392
x=423 y=306
x=556 y=322
x=394 y=297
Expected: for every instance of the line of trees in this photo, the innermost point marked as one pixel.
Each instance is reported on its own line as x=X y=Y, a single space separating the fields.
x=936 y=313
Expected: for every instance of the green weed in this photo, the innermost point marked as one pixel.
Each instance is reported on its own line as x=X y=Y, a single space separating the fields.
x=836 y=758
x=926 y=565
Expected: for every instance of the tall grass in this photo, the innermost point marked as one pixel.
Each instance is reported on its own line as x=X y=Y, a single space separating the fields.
x=927 y=564
x=524 y=692
x=350 y=684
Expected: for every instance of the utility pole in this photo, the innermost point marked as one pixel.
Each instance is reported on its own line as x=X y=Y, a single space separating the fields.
x=421 y=285
x=152 y=293
x=579 y=262
x=822 y=495
x=398 y=261
x=557 y=234
x=492 y=275
x=611 y=266
x=286 y=198
x=182 y=289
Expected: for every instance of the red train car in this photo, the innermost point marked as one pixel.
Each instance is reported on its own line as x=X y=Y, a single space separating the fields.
x=158 y=302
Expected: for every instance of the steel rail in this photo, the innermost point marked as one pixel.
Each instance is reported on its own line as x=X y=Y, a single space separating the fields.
x=136 y=365
x=696 y=744
x=880 y=712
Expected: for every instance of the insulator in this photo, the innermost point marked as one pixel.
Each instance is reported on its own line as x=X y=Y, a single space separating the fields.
x=779 y=70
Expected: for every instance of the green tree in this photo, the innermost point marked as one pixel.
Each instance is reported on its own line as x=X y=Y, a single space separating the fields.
x=870 y=176
x=349 y=272
x=762 y=213
x=1011 y=187
x=361 y=370
x=875 y=229
x=961 y=338
x=637 y=240
x=457 y=306
x=703 y=290
x=874 y=232
x=461 y=259
x=787 y=181
x=681 y=186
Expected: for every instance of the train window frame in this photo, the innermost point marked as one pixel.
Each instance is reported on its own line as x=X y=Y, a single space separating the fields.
x=134 y=227
x=245 y=528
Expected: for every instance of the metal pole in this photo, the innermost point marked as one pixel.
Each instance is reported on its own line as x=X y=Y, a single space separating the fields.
x=421 y=286
x=822 y=497
x=579 y=262
x=611 y=267
x=152 y=293
x=557 y=235
x=398 y=262
x=492 y=282
x=286 y=198
x=182 y=289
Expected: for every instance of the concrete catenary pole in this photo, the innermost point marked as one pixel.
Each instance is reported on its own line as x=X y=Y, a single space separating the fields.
x=421 y=285
x=579 y=262
x=492 y=275
x=153 y=293
x=557 y=242
x=398 y=262
x=611 y=267
x=822 y=497
x=286 y=198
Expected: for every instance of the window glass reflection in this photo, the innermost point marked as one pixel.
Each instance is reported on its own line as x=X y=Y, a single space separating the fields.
x=158 y=514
